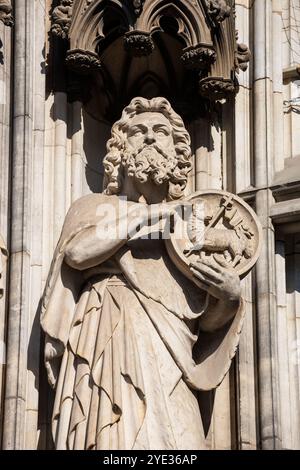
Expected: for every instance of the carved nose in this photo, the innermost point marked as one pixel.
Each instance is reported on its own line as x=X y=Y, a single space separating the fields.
x=149 y=138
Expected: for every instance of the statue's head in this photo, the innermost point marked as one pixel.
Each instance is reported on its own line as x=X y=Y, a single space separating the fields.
x=148 y=143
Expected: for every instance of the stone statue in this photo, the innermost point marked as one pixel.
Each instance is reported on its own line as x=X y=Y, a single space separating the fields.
x=131 y=339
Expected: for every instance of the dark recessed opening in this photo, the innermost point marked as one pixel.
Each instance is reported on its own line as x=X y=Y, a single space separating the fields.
x=111 y=21
x=169 y=25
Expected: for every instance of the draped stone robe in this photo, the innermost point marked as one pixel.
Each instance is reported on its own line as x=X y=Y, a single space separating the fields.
x=129 y=347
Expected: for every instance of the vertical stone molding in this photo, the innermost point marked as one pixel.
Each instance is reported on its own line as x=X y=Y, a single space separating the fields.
x=3 y=284
x=22 y=375
x=20 y=248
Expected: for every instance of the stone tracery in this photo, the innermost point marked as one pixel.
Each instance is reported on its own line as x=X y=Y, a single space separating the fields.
x=204 y=28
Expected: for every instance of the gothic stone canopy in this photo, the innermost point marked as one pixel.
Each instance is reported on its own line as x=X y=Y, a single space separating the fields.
x=201 y=32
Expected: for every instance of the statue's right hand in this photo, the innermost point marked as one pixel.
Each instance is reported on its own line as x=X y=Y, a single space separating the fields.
x=53 y=348
x=167 y=209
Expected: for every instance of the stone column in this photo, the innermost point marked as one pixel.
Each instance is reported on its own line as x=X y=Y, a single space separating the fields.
x=246 y=373
x=262 y=93
x=277 y=86
x=5 y=119
x=23 y=348
x=264 y=169
x=18 y=313
x=37 y=228
x=293 y=334
x=266 y=327
x=76 y=151
x=202 y=144
x=60 y=187
x=286 y=63
x=243 y=168
x=286 y=407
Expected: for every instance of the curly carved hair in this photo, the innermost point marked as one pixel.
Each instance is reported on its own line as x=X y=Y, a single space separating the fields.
x=117 y=144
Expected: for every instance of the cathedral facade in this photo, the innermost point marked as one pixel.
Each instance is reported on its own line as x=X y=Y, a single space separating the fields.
x=231 y=70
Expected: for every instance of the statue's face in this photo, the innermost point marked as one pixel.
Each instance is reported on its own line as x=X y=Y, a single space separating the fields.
x=150 y=153
x=150 y=129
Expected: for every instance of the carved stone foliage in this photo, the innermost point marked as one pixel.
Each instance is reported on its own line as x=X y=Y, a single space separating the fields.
x=83 y=61
x=243 y=56
x=198 y=57
x=61 y=18
x=203 y=28
x=138 y=43
x=215 y=88
x=218 y=10
x=6 y=12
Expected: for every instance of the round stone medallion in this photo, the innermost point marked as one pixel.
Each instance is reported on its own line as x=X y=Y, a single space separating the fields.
x=215 y=226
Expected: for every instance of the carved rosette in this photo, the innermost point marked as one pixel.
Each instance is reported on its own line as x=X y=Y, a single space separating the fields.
x=138 y=43
x=83 y=62
x=218 y=10
x=217 y=88
x=6 y=12
x=198 y=57
x=61 y=19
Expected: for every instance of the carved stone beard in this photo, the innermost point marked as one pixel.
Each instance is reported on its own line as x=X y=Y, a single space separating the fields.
x=150 y=162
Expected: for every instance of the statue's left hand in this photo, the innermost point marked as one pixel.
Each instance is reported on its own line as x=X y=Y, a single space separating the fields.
x=218 y=280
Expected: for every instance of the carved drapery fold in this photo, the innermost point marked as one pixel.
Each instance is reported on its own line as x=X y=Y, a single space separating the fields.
x=6 y=12
x=205 y=29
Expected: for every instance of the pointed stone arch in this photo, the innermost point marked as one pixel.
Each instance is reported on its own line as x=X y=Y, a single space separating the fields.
x=205 y=29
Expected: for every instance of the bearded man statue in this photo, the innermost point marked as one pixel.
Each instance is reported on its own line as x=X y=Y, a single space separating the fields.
x=130 y=340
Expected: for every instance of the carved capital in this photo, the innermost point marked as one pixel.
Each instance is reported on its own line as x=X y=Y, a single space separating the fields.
x=61 y=19
x=83 y=62
x=218 y=10
x=138 y=43
x=198 y=57
x=6 y=12
x=217 y=88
